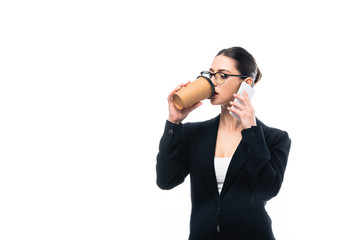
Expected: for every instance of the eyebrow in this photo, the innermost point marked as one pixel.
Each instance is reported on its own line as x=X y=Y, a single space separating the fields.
x=220 y=70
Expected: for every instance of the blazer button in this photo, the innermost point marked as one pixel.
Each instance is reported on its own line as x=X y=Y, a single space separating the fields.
x=171 y=132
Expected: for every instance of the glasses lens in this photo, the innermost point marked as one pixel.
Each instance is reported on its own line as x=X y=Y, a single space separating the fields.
x=220 y=78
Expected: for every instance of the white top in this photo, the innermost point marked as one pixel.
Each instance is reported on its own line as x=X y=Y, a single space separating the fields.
x=221 y=166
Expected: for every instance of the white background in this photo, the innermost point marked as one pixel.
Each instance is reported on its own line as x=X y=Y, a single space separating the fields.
x=83 y=105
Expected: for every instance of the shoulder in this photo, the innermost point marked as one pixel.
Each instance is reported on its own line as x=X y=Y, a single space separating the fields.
x=272 y=134
x=197 y=127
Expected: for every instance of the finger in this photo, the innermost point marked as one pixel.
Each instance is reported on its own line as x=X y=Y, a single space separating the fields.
x=183 y=85
x=236 y=95
x=245 y=94
x=186 y=111
x=239 y=96
x=177 y=89
x=237 y=104
x=246 y=97
x=235 y=110
x=196 y=105
x=244 y=100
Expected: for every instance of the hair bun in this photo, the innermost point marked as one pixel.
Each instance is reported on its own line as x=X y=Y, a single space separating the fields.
x=258 y=75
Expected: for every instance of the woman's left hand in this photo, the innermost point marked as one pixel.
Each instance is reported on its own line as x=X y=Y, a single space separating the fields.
x=246 y=112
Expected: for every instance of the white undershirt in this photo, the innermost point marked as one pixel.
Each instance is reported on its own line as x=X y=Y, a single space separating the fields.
x=221 y=166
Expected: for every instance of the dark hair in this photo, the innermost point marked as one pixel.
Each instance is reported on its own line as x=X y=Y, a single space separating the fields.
x=245 y=62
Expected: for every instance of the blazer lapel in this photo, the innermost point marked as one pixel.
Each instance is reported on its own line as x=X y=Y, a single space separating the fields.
x=238 y=160
x=206 y=151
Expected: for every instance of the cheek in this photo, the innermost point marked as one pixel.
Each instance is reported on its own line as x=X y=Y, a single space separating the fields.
x=229 y=90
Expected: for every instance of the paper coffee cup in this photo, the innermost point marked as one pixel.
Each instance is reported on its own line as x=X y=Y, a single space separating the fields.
x=196 y=91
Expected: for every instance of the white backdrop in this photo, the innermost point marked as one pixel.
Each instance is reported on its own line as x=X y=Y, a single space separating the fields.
x=83 y=105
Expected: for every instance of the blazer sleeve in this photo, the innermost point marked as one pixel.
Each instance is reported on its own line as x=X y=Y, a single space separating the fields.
x=171 y=162
x=266 y=161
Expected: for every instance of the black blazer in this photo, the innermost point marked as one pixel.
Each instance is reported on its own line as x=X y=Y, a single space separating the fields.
x=254 y=176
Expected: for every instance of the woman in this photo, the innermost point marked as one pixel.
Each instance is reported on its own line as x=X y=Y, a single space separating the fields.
x=234 y=166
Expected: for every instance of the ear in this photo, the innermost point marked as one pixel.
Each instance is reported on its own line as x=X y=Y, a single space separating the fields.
x=249 y=81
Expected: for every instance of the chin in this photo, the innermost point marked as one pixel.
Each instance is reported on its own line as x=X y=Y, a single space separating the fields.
x=216 y=101
x=213 y=101
x=220 y=101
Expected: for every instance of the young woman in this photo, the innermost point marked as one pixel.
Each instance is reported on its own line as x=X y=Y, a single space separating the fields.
x=234 y=166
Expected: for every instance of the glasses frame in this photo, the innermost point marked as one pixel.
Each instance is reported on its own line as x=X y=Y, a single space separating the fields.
x=222 y=80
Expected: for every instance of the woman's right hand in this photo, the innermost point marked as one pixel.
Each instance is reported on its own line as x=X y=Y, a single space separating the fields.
x=176 y=115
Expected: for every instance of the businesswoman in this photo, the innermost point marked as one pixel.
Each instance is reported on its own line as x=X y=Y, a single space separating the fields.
x=235 y=166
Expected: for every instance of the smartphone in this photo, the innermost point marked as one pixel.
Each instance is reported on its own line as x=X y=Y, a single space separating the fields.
x=249 y=90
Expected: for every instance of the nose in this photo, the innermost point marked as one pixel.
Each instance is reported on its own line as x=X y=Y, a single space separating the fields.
x=213 y=79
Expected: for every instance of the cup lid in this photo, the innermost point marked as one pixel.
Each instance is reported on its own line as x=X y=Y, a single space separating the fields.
x=211 y=84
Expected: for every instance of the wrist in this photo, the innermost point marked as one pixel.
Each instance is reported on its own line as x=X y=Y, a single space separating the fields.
x=253 y=124
x=175 y=121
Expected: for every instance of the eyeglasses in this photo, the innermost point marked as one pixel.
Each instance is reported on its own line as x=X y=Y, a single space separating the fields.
x=220 y=77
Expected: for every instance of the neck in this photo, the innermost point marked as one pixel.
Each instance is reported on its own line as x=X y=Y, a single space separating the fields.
x=228 y=122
